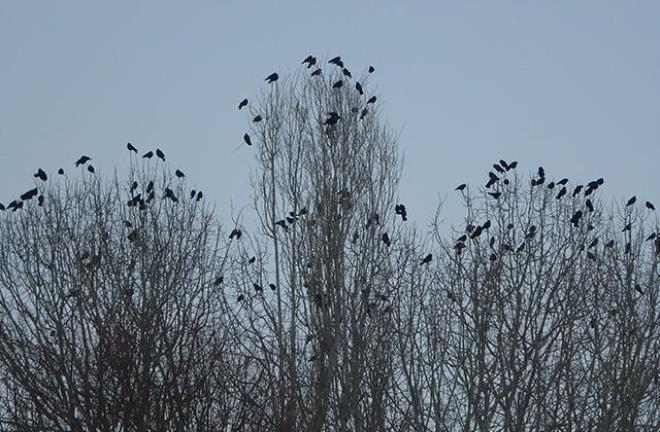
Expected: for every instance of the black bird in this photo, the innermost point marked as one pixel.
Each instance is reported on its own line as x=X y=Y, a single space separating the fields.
x=150 y=186
x=258 y=288
x=337 y=61
x=200 y=195
x=2 y=207
x=363 y=114
x=400 y=209
x=131 y=147
x=371 y=69
x=148 y=155
x=90 y=168
x=257 y=119
x=282 y=223
x=512 y=165
x=310 y=60
x=272 y=78
x=338 y=84
x=593 y=243
x=551 y=185
x=40 y=200
x=83 y=160
x=252 y=260
x=317 y=72
x=347 y=73
x=492 y=180
x=247 y=139
x=531 y=232
x=650 y=205
x=332 y=119
x=235 y=233
x=631 y=201
x=540 y=181
x=240 y=298
x=521 y=247
x=462 y=238
x=563 y=181
x=372 y=99
x=651 y=237
x=243 y=103
x=609 y=244
x=498 y=168
x=486 y=225
x=600 y=181
x=60 y=171
x=627 y=227
x=386 y=239
x=290 y=219
x=160 y=154
x=589 y=205
x=577 y=190
x=179 y=173
x=30 y=194
x=575 y=219
x=272 y=287
x=193 y=193
x=541 y=172
x=218 y=280
x=170 y=194
x=562 y=192
x=41 y=174
x=493 y=257
x=427 y=259
x=134 y=186
x=639 y=289
x=477 y=232
x=358 y=87
x=495 y=195
x=460 y=187
x=504 y=164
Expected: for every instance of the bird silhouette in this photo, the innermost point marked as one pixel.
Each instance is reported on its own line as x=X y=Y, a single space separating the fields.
x=363 y=114
x=347 y=73
x=593 y=243
x=498 y=168
x=257 y=119
x=252 y=260
x=504 y=164
x=358 y=87
x=575 y=219
x=272 y=78
x=90 y=168
x=486 y=225
x=2 y=207
x=512 y=165
x=235 y=233
x=41 y=174
x=179 y=173
x=247 y=139
x=243 y=103
x=609 y=244
x=561 y=193
x=427 y=259
x=282 y=223
x=338 y=84
x=83 y=160
x=317 y=72
x=332 y=119
x=577 y=190
x=310 y=60
x=272 y=286
x=170 y=194
x=200 y=195
x=193 y=193
x=386 y=239
x=240 y=298
x=150 y=186
x=160 y=154
x=460 y=187
x=651 y=237
x=148 y=155
x=400 y=209
x=476 y=233
x=60 y=171
x=371 y=69
x=495 y=195
x=650 y=205
x=257 y=288
x=134 y=186
x=541 y=172
x=131 y=148
x=337 y=61
x=372 y=99
x=563 y=181
x=521 y=247
x=589 y=205
x=631 y=201
x=30 y=194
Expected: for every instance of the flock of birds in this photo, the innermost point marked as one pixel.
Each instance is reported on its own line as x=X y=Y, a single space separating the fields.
x=332 y=117
x=473 y=232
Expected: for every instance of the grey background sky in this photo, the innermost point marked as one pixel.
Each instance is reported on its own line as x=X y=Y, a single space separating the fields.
x=572 y=85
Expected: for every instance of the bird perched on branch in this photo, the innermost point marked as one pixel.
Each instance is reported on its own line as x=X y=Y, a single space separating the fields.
x=83 y=160
x=427 y=259
x=243 y=103
x=337 y=61
x=41 y=174
x=272 y=78
x=131 y=148
x=247 y=139
x=160 y=154
x=310 y=60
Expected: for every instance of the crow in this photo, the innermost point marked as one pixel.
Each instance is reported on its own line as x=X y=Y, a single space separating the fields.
x=358 y=87
x=650 y=205
x=462 y=238
x=575 y=219
x=498 y=168
x=131 y=148
x=371 y=69
x=521 y=247
x=243 y=103
x=2 y=207
x=160 y=154
x=551 y=185
x=332 y=119
x=252 y=260
x=41 y=174
x=486 y=225
x=150 y=186
x=631 y=201
x=427 y=259
x=372 y=99
x=148 y=155
x=600 y=181
x=589 y=205
x=477 y=232
x=134 y=186
x=512 y=165
x=83 y=160
x=400 y=209
x=593 y=243
x=193 y=193
x=235 y=233
x=609 y=244
x=495 y=195
x=460 y=187
x=310 y=60
x=60 y=171
x=563 y=181
x=504 y=164
x=347 y=73
x=651 y=237
x=40 y=200
x=541 y=172
x=257 y=288
x=240 y=298
x=317 y=72
x=272 y=286
x=283 y=224
x=363 y=114
x=386 y=239
x=90 y=168
x=200 y=195
x=561 y=193
x=639 y=289
x=627 y=227
x=272 y=78
x=170 y=194
x=577 y=190
x=247 y=139
x=336 y=61
x=257 y=119
x=338 y=84
x=179 y=173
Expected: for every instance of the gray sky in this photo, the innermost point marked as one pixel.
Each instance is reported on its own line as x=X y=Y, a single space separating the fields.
x=571 y=85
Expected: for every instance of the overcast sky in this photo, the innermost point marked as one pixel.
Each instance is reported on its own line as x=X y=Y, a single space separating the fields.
x=570 y=85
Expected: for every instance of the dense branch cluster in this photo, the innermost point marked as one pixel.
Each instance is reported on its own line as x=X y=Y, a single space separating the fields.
x=126 y=305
